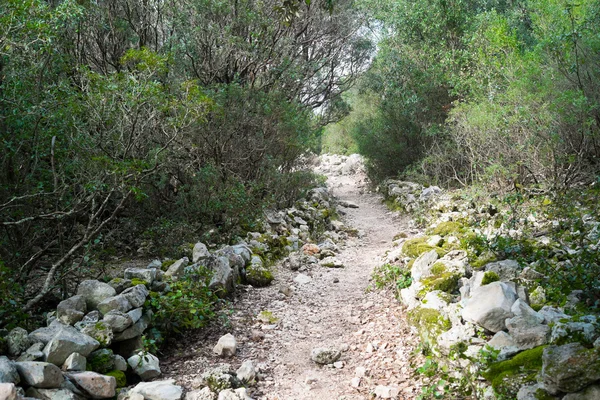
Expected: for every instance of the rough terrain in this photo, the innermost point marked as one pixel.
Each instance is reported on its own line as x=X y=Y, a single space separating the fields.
x=334 y=309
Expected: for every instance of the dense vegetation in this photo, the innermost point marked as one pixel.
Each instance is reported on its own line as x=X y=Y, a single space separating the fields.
x=137 y=125
x=502 y=93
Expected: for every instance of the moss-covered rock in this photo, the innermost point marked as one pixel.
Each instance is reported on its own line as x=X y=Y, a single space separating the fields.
x=415 y=247
x=508 y=376
x=483 y=259
x=430 y=323
x=441 y=278
x=136 y=281
x=119 y=377
x=489 y=277
x=447 y=228
x=101 y=361
x=258 y=274
x=166 y=264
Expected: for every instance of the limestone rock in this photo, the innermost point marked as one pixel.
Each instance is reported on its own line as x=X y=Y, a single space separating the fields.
x=527 y=332
x=302 y=279
x=226 y=346
x=8 y=391
x=44 y=335
x=159 y=390
x=8 y=371
x=246 y=372
x=40 y=374
x=348 y=204
x=177 y=268
x=533 y=392
x=136 y=296
x=218 y=378
x=135 y=314
x=507 y=270
x=67 y=342
x=71 y=310
x=422 y=265
x=94 y=292
x=505 y=343
x=552 y=314
x=120 y=363
x=120 y=284
x=147 y=275
x=101 y=361
x=100 y=331
x=570 y=331
x=490 y=306
x=200 y=252
x=324 y=355
x=118 y=321
x=75 y=362
x=95 y=385
x=521 y=309
x=386 y=392
x=569 y=368
x=234 y=394
x=589 y=393
x=33 y=353
x=136 y=330
x=118 y=302
x=18 y=341
x=51 y=394
x=457 y=334
x=331 y=262
x=222 y=280
x=258 y=274
x=145 y=365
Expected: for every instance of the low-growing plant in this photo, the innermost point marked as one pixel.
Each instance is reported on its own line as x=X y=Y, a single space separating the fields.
x=391 y=275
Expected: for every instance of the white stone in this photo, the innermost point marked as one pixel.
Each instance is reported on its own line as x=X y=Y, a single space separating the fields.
x=323 y=355
x=8 y=391
x=95 y=292
x=176 y=269
x=75 y=362
x=386 y=392
x=490 y=306
x=226 y=346
x=40 y=374
x=246 y=372
x=145 y=365
x=95 y=385
x=302 y=279
x=204 y=394
x=422 y=265
x=159 y=390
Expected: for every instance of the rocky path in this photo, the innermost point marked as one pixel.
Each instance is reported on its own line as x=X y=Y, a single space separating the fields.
x=332 y=308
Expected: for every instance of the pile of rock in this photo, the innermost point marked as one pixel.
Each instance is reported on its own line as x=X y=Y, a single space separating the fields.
x=408 y=196
x=542 y=352
x=335 y=164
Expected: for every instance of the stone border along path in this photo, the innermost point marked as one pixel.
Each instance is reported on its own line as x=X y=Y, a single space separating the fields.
x=334 y=309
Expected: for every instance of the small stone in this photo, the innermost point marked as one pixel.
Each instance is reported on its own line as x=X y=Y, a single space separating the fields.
x=66 y=342
x=71 y=310
x=120 y=363
x=348 y=204
x=331 y=262
x=355 y=383
x=257 y=335
x=204 y=394
x=118 y=302
x=386 y=392
x=8 y=371
x=360 y=372
x=226 y=346
x=145 y=365
x=200 y=252
x=246 y=372
x=33 y=353
x=177 y=268
x=147 y=275
x=118 y=320
x=100 y=331
x=338 y=364
x=302 y=279
x=323 y=356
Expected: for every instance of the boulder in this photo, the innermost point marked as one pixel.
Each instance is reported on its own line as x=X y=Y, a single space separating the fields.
x=422 y=265
x=243 y=251
x=552 y=314
x=200 y=252
x=18 y=341
x=136 y=314
x=71 y=310
x=44 y=335
x=100 y=331
x=94 y=292
x=40 y=374
x=118 y=302
x=218 y=378
x=8 y=391
x=177 y=268
x=120 y=363
x=136 y=330
x=120 y=284
x=527 y=332
x=147 y=275
x=226 y=346
x=51 y=394
x=117 y=320
x=325 y=355
x=145 y=365
x=331 y=262
x=570 y=331
x=67 y=342
x=159 y=390
x=246 y=372
x=8 y=371
x=521 y=309
x=75 y=362
x=569 y=368
x=505 y=343
x=101 y=361
x=457 y=334
x=95 y=385
x=490 y=306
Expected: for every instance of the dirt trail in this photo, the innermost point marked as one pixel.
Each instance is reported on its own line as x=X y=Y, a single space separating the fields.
x=334 y=309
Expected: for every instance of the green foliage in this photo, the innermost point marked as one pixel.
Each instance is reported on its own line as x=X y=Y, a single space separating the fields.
x=390 y=275
x=489 y=277
x=11 y=312
x=190 y=304
x=523 y=367
x=119 y=376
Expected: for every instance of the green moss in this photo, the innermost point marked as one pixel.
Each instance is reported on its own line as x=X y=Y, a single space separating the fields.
x=507 y=376
x=401 y=235
x=447 y=228
x=116 y=280
x=259 y=275
x=447 y=282
x=268 y=317
x=166 y=264
x=485 y=258
x=489 y=277
x=541 y=394
x=430 y=323
x=119 y=376
x=415 y=247
x=438 y=268
x=136 y=281
x=100 y=361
